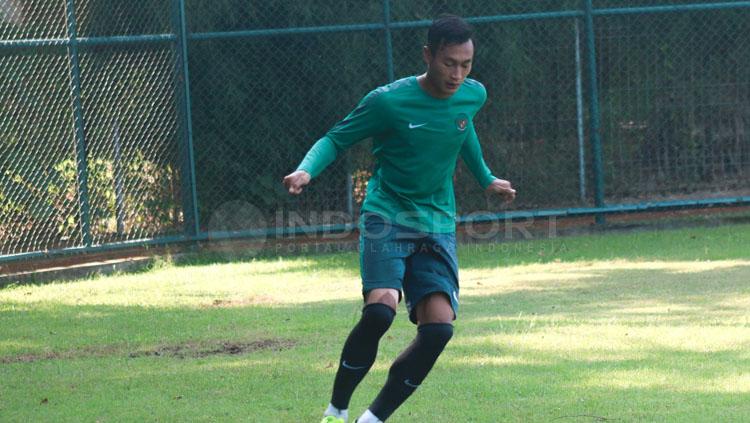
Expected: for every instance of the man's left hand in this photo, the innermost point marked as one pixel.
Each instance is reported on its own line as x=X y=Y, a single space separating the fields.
x=502 y=188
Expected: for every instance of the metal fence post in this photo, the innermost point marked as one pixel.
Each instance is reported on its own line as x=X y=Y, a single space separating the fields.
x=595 y=125
x=119 y=180
x=388 y=39
x=78 y=122
x=349 y=188
x=184 y=107
x=579 y=116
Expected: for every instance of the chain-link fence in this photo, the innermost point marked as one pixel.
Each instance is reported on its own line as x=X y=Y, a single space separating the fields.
x=127 y=123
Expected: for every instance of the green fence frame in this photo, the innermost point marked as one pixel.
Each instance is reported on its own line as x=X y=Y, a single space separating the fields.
x=180 y=40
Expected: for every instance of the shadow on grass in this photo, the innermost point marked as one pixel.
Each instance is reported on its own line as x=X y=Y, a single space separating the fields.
x=656 y=385
x=621 y=292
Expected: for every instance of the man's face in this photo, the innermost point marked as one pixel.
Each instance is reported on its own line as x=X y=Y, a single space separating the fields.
x=448 y=67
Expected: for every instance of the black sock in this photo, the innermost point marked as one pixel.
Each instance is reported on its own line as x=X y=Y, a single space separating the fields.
x=359 y=351
x=411 y=367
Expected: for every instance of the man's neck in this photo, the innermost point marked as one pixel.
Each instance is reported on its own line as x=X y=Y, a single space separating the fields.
x=428 y=87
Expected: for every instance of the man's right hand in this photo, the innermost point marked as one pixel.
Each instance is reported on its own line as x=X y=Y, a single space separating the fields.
x=296 y=180
x=503 y=188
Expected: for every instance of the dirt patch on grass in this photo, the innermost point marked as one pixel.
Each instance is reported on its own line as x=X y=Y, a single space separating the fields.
x=30 y=358
x=99 y=351
x=255 y=300
x=190 y=350
x=186 y=350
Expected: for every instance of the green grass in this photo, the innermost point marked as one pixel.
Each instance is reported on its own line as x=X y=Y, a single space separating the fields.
x=641 y=326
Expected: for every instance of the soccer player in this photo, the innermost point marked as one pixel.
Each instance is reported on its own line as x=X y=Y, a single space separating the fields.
x=419 y=126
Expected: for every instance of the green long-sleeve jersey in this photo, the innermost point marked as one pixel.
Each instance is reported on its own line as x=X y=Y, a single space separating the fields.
x=416 y=142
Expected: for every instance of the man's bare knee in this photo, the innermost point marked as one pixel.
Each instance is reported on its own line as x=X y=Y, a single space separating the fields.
x=435 y=308
x=385 y=296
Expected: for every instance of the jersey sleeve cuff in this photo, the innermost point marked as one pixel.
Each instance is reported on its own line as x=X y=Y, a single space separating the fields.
x=309 y=172
x=487 y=180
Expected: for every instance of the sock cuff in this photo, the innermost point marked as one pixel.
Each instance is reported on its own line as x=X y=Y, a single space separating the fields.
x=434 y=326
x=380 y=307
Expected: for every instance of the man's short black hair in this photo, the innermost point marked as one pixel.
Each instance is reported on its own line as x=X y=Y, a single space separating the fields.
x=447 y=30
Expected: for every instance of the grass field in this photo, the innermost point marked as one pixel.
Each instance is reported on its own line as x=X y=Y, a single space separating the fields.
x=626 y=327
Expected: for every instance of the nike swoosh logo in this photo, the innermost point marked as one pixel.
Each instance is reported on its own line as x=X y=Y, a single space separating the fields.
x=409 y=384
x=412 y=125
x=343 y=363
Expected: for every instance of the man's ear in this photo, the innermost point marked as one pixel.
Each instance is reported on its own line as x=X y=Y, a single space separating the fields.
x=426 y=55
